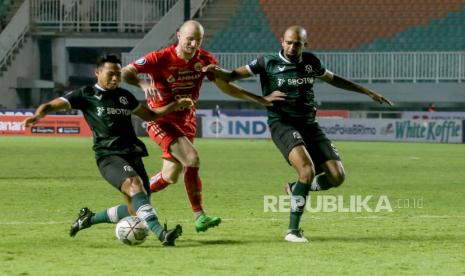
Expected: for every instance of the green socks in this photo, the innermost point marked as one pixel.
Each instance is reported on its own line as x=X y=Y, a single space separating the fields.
x=110 y=215
x=298 y=199
x=146 y=212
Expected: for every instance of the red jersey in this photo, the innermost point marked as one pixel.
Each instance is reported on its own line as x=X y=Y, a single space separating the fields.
x=175 y=77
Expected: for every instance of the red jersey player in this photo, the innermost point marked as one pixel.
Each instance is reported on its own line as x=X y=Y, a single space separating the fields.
x=176 y=72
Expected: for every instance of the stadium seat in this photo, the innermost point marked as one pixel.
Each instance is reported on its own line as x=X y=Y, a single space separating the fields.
x=372 y=25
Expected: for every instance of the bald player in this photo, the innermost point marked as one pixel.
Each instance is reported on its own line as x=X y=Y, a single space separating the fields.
x=176 y=72
x=292 y=123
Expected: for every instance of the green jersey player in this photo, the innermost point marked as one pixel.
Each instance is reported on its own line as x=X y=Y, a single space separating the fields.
x=108 y=109
x=290 y=75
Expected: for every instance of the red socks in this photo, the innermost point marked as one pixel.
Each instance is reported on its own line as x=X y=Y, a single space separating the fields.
x=193 y=187
x=157 y=183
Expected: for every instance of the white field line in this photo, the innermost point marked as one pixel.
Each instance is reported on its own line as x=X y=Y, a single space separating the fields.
x=257 y=219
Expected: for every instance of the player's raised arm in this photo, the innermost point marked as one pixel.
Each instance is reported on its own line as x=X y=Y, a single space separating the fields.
x=44 y=109
x=240 y=93
x=129 y=75
x=346 y=84
x=228 y=75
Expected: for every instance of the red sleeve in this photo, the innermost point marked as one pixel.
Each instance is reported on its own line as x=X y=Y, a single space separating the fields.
x=210 y=59
x=146 y=64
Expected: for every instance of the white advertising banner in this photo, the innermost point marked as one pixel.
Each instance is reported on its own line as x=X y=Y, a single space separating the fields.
x=433 y=115
x=435 y=131
x=235 y=127
x=404 y=130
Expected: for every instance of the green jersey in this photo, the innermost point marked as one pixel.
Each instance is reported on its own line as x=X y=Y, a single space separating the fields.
x=294 y=79
x=108 y=113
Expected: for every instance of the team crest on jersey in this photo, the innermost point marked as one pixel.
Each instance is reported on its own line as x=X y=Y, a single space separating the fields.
x=123 y=100
x=141 y=61
x=308 y=68
x=280 y=82
x=198 y=66
x=170 y=79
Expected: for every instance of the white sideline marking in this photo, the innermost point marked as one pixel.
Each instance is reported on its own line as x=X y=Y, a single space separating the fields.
x=32 y=222
x=414 y=157
x=248 y=219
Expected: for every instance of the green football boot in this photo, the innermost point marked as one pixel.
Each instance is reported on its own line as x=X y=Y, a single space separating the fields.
x=203 y=222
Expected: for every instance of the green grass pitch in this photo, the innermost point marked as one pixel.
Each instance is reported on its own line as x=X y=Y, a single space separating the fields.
x=45 y=181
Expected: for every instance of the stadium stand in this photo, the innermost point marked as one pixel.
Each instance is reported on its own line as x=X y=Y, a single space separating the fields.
x=247 y=31
x=346 y=25
x=4 y=8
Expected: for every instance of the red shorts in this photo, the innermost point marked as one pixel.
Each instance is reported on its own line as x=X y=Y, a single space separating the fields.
x=165 y=133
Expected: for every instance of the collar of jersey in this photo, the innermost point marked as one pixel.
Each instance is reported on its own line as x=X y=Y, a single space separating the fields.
x=173 y=52
x=99 y=87
x=283 y=58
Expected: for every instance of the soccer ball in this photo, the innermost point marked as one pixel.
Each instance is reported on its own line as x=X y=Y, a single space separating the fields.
x=132 y=230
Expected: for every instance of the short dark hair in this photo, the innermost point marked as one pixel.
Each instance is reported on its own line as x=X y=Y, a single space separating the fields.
x=112 y=58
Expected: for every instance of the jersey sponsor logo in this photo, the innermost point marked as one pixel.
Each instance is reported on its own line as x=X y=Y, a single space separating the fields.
x=308 y=68
x=123 y=100
x=281 y=68
x=183 y=71
x=141 y=61
x=112 y=111
x=198 y=66
x=280 y=82
x=189 y=77
x=128 y=168
x=300 y=81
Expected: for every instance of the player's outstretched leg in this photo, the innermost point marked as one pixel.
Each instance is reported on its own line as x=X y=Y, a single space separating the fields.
x=203 y=222
x=299 y=192
x=82 y=221
x=167 y=237
x=158 y=183
x=87 y=218
x=194 y=191
x=145 y=211
x=295 y=236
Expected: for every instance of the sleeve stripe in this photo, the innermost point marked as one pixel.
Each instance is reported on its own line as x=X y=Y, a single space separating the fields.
x=327 y=73
x=250 y=70
x=137 y=108
x=66 y=100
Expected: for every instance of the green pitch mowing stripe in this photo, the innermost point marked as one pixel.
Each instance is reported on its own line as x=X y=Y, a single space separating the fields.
x=44 y=182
